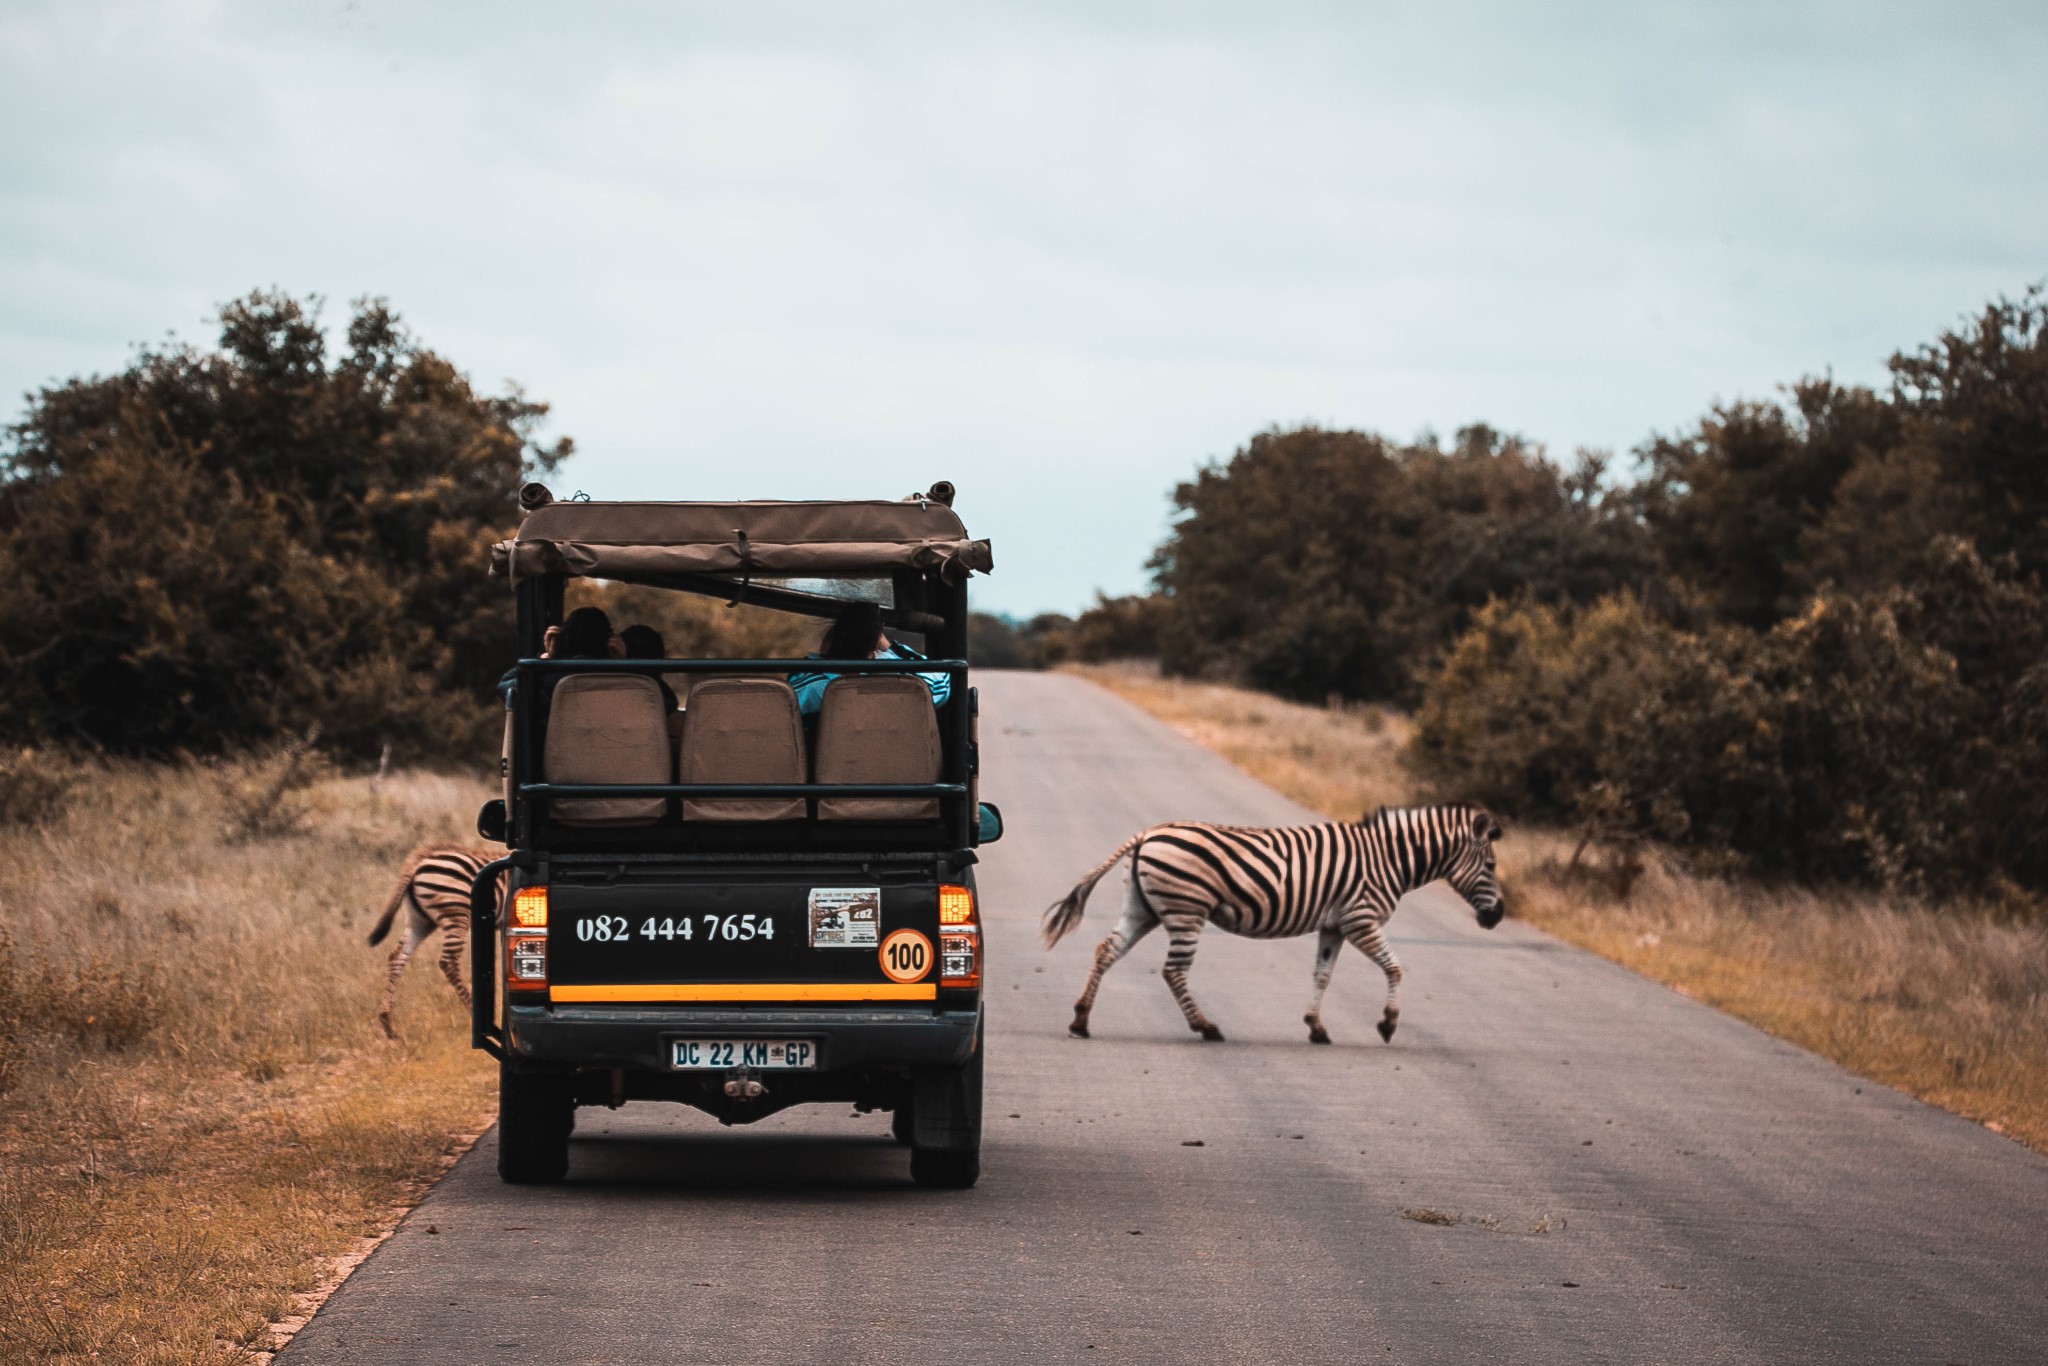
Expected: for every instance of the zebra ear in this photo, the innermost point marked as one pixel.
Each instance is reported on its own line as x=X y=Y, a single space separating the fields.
x=1485 y=826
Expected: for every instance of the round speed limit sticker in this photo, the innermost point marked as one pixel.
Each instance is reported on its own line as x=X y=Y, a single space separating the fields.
x=906 y=956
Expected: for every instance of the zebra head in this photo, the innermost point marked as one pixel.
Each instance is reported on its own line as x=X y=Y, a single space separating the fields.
x=1472 y=872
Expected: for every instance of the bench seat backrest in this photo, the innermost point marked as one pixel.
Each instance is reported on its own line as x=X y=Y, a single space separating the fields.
x=742 y=730
x=878 y=728
x=607 y=728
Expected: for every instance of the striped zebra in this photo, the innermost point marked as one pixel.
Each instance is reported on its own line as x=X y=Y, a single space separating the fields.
x=1339 y=880
x=435 y=887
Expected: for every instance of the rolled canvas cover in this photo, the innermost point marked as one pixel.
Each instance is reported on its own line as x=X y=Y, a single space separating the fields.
x=878 y=728
x=607 y=728
x=625 y=540
x=743 y=730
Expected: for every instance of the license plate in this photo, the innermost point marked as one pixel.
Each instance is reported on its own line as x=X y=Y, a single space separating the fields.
x=772 y=1055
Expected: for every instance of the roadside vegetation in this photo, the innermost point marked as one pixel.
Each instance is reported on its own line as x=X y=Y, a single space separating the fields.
x=252 y=656
x=1806 y=639
x=197 y=1111
x=1947 y=1000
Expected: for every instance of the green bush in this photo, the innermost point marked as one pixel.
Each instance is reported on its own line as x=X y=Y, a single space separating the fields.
x=211 y=549
x=1893 y=737
x=1317 y=562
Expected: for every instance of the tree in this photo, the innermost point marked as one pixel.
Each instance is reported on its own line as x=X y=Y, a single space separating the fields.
x=211 y=547
x=1732 y=506
x=1316 y=561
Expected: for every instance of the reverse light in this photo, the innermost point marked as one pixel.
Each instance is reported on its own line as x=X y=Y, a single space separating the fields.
x=530 y=908
x=526 y=961
x=959 y=938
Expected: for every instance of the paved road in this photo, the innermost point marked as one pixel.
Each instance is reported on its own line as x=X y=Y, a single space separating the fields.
x=1635 y=1177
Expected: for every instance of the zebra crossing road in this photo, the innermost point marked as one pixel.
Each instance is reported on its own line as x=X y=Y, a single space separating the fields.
x=1555 y=1161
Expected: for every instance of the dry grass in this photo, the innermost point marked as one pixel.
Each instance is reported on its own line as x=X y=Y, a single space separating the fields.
x=198 y=1113
x=1343 y=763
x=1948 y=1003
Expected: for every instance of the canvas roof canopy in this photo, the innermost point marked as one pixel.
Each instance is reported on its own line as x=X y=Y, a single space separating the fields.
x=630 y=541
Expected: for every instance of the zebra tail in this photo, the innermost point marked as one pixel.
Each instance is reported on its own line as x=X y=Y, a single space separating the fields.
x=383 y=926
x=1063 y=915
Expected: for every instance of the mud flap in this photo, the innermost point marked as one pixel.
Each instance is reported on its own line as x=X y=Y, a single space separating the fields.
x=945 y=1105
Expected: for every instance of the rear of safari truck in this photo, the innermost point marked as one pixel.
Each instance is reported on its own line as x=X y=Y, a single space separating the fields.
x=742 y=912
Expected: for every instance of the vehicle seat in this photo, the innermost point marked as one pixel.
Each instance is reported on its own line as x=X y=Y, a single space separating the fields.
x=607 y=728
x=742 y=730
x=878 y=728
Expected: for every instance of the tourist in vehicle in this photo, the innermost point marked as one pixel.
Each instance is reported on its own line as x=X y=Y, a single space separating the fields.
x=644 y=642
x=585 y=633
x=856 y=633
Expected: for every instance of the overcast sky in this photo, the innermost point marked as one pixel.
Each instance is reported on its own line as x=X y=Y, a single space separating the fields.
x=1060 y=253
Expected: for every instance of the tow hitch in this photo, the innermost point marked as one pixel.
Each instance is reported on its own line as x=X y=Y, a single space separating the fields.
x=742 y=1084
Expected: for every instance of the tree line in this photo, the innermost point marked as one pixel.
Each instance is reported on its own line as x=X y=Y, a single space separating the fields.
x=219 y=546
x=1804 y=636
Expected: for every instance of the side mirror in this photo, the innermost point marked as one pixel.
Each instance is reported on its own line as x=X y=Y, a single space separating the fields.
x=991 y=825
x=490 y=821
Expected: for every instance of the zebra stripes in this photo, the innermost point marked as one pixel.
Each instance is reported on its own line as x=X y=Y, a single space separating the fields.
x=435 y=886
x=1339 y=880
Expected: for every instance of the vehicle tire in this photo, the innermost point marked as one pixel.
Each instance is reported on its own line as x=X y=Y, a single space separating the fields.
x=535 y=1114
x=903 y=1122
x=945 y=1124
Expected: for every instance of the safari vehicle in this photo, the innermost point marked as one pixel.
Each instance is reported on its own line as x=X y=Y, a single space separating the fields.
x=728 y=907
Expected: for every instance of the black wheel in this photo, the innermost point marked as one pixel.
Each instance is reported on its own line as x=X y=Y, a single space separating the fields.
x=945 y=1124
x=903 y=1121
x=535 y=1114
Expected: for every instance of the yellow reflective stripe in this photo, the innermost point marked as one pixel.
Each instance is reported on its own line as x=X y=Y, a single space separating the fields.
x=749 y=991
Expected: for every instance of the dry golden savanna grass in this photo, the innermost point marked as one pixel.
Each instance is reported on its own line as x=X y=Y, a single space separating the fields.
x=199 y=1113
x=1343 y=763
x=1946 y=1002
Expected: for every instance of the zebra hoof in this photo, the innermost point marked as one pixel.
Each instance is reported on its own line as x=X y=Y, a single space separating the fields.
x=1319 y=1035
x=1211 y=1034
x=1079 y=1029
x=1386 y=1028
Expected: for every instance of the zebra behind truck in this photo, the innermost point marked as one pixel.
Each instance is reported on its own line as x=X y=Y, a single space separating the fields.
x=434 y=887
x=1340 y=880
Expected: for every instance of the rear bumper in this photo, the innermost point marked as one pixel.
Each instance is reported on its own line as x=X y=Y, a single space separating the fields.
x=636 y=1037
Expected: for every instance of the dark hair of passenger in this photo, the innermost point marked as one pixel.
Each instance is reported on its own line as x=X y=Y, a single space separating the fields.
x=854 y=633
x=586 y=634
x=643 y=642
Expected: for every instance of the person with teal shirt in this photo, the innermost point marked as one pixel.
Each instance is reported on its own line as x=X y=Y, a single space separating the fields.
x=857 y=634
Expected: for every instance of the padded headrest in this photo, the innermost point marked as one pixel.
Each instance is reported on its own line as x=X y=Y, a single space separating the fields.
x=878 y=728
x=607 y=728
x=743 y=730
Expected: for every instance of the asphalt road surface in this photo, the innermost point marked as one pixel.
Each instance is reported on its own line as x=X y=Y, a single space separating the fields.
x=1632 y=1177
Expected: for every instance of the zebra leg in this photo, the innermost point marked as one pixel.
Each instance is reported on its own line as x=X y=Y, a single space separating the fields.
x=1372 y=942
x=1138 y=922
x=417 y=928
x=1183 y=933
x=1328 y=942
x=454 y=935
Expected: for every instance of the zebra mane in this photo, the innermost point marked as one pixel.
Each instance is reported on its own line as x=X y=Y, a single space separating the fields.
x=1468 y=810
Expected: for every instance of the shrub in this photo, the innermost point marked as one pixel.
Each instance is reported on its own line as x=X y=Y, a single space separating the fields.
x=211 y=549
x=1318 y=562
x=1894 y=737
